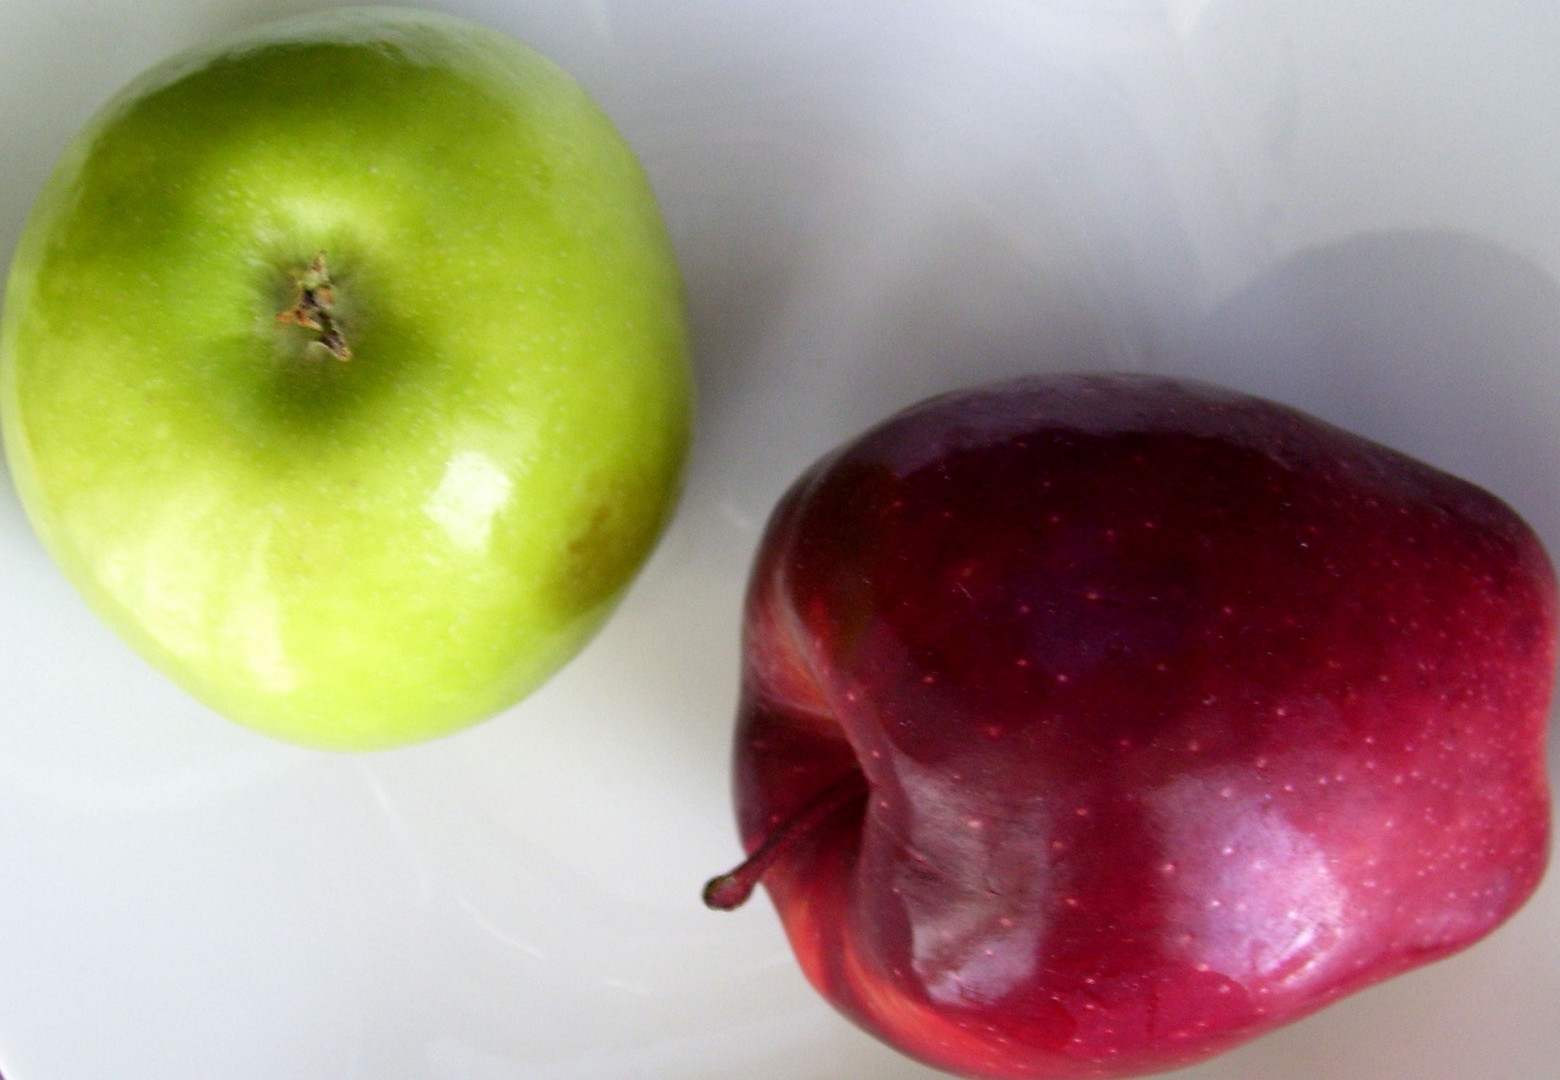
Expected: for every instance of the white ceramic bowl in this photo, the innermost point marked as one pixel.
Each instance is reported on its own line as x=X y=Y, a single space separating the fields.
x=1348 y=207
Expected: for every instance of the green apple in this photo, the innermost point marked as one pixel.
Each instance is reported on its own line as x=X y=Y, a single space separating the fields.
x=343 y=369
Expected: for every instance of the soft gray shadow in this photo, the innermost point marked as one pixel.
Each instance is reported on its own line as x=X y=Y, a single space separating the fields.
x=1442 y=345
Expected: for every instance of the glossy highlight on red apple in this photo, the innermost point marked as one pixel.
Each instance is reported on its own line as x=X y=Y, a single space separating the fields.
x=1094 y=725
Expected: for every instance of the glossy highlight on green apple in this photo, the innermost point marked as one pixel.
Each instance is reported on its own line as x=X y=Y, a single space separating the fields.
x=343 y=369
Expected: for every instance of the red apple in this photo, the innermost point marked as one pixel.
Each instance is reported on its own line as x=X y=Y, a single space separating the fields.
x=1091 y=726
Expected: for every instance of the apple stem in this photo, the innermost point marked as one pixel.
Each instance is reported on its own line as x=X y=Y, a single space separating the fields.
x=731 y=890
x=313 y=309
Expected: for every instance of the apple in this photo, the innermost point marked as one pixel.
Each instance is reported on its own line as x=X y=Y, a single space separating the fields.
x=344 y=370
x=1091 y=726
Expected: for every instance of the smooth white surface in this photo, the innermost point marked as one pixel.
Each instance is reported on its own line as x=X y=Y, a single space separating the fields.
x=1352 y=208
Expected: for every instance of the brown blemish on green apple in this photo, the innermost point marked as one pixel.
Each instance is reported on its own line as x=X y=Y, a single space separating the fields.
x=313 y=309
x=598 y=556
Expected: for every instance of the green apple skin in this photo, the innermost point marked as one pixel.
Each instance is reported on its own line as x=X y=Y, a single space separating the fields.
x=374 y=551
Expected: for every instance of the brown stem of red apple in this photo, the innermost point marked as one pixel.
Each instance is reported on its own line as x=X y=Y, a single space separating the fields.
x=731 y=890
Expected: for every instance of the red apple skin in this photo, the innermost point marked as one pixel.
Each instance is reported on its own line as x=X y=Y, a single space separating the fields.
x=1180 y=714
